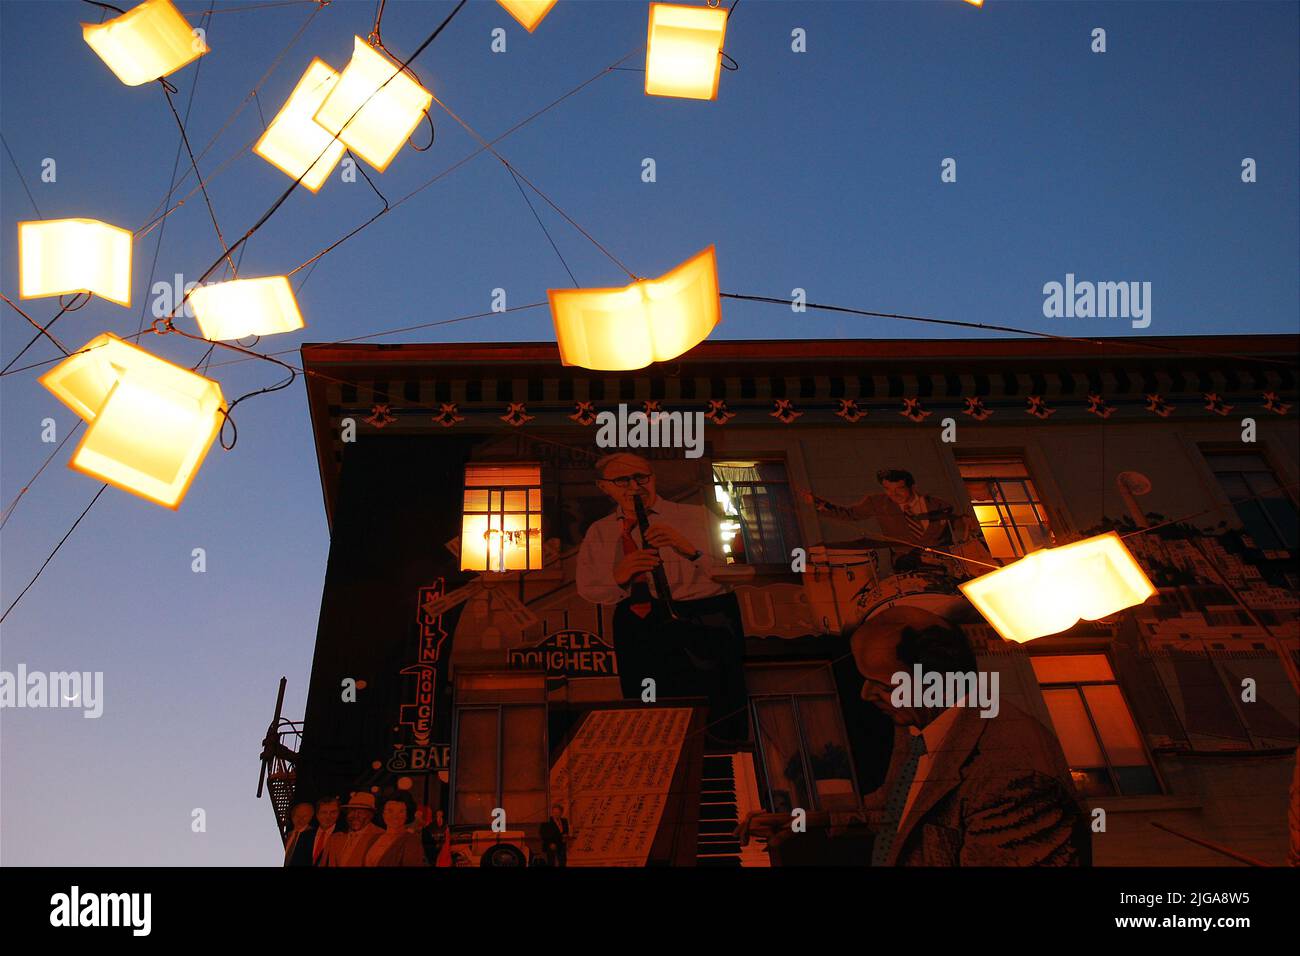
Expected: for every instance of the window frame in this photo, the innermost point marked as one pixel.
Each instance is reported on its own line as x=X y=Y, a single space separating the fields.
x=480 y=699
x=1006 y=522
x=1077 y=686
x=788 y=503
x=1210 y=450
x=501 y=513
x=792 y=700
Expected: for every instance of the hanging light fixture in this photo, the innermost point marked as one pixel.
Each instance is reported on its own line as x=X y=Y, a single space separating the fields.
x=394 y=106
x=295 y=142
x=683 y=54
x=1050 y=590
x=529 y=13
x=651 y=320
x=242 y=307
x=146 y=43
x=64 y=256
x=151 y=422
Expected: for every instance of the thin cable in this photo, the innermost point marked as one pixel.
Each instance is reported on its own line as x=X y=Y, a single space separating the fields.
x=194 y=163
x=334 y=245
x=21 y=178
x=171 y=189
x=13 y=505
x=164 y=324
x=46 y=562
x=232 y=117
x=545 y=231
x=40 y=330
x=505 y=162
x=523 y=122
x=1136 y=343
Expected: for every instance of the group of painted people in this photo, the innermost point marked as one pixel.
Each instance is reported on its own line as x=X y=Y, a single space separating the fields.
x=366 y=832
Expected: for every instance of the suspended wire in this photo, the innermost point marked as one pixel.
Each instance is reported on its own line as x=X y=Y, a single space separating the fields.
x=21 y=178
x=46 y=562
x=106 y=6
x=13 y=505
x=194 y=163
x=243 y=8
x=164 y=324
x=505 y=162
x=519 y=125
x=334 y=245
x=41 y=330
x=155 y=216
x=545 y=231
x=1133 y=341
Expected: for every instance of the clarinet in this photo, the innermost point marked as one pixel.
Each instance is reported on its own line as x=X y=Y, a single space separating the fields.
x=660 y=578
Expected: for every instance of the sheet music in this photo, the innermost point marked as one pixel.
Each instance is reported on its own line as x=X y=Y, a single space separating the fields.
x=614 y=777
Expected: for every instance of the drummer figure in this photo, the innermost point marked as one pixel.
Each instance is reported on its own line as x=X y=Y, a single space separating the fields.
x=912 y=521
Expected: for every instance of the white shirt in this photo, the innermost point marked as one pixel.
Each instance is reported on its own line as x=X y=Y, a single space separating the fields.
x=602 y=549
x=935 y=734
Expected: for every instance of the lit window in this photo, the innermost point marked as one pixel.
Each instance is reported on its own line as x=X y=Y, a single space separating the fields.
x=502 y=525
x=1267 y=514
x=758 y=523
x=1092 y=720
x=1007 y=505
x=799 y=737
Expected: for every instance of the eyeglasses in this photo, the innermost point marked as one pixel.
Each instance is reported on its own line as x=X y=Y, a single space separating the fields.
x=625 y=481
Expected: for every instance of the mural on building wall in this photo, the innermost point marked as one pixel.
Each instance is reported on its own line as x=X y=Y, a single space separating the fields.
x=656 y=583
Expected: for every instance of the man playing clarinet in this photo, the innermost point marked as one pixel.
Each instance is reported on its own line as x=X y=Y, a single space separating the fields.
x=651 y=559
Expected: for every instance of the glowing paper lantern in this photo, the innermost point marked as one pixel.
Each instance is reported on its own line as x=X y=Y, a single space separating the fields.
x=294 y=140
x=232 y=310
x=529 y=13
x=63 y=256
x=151 y=422
x=651 y=320
x=976 y=3
x=145 y=43
x=1050 y=590
x=394 y=106
x=683 y=54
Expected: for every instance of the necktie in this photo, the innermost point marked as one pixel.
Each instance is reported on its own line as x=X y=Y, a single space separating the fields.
x=914 y=524
x=640 y=584
x=897 y=800
x=319 y=850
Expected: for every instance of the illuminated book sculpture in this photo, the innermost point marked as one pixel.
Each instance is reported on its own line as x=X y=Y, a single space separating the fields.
x=683 y=54
x=294 y=141
x=66 y=256
x=146 y=43
x=652 y=320
x=232 y=310
x=150 y=422
x=529 y=13
x=1051 y=590
x=393 y=106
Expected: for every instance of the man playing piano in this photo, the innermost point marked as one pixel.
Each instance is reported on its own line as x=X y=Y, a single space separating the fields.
x=651 y=559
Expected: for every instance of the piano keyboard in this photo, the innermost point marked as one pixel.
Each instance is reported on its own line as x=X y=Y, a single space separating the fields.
x=728 y=794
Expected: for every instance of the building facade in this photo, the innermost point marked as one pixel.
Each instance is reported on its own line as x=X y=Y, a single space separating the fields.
x=486 y=645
